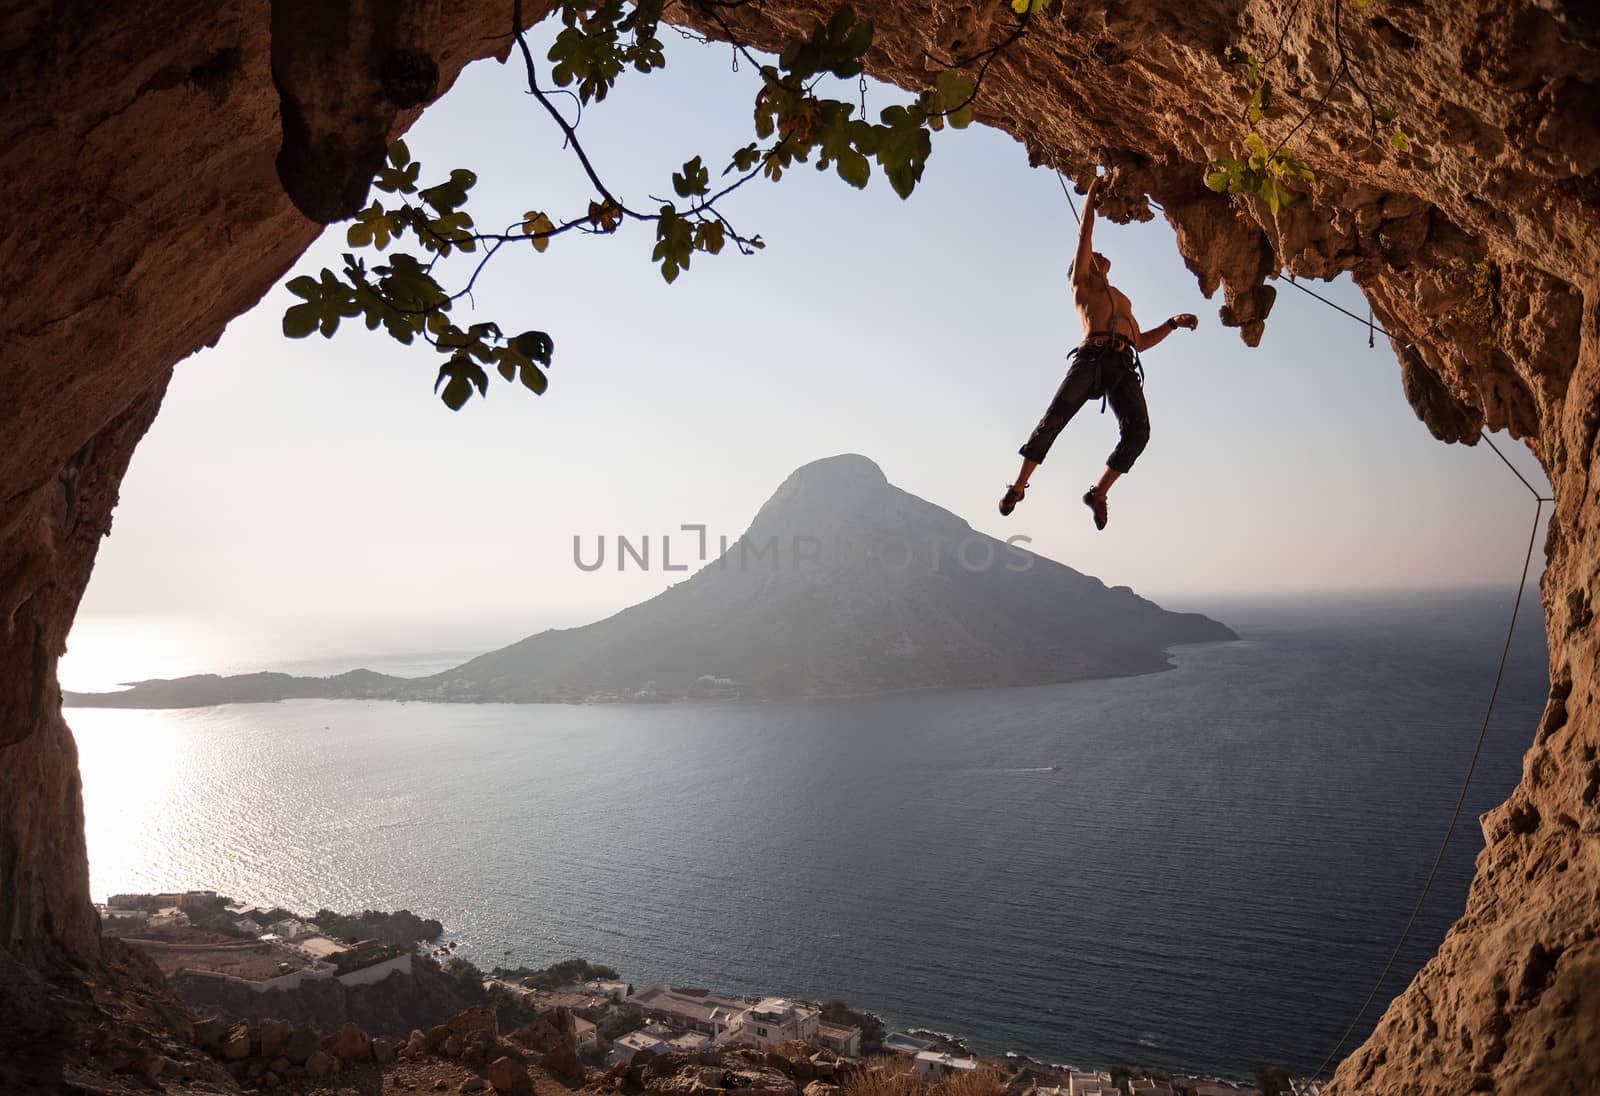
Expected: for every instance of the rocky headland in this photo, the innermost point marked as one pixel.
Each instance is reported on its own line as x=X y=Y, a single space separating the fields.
x=842 y=585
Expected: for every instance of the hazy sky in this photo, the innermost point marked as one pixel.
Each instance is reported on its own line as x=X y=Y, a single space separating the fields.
x=314 y=479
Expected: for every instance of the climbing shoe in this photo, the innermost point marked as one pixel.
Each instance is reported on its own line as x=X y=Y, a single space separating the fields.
x=1095 y=500
x=1012 y=496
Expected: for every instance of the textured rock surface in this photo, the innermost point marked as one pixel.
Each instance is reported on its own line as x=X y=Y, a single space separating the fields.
x=143 y=208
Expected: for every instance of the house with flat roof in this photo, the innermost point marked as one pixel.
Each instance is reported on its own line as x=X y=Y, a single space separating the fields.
x=773 y=1021
x=690 y=1042
x=843 y=1041
x=696 y=1010
x=933 y=1065
x=292 y=929
x=1090 y=1083
x=636 y=1045
x=1149 y=1086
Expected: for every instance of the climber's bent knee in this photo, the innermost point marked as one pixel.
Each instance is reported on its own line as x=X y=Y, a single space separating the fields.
x=1135 y=437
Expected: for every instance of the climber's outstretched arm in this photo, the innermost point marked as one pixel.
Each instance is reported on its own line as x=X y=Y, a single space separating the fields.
x=1147 y=339
x=1083 y=262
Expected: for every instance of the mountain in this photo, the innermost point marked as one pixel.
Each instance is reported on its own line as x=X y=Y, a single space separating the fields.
x=843 y=584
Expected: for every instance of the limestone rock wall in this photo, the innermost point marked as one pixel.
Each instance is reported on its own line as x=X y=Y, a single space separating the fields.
x=145 y=154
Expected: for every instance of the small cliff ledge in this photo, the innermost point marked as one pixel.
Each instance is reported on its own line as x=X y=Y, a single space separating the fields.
x=144 y=207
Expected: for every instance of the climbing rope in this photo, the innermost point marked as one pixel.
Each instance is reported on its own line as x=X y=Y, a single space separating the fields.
x=1070 y=203
x=1494 y=692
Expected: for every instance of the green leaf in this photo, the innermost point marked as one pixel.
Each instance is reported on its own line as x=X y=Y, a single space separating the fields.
x=693 y=180
x=538 y=226
x=460 y=375
x=1218 y=180
x=399 y=155
x=674 y=243
x=446 y=196
x=300 y=321
x=745 y=158
x=854 y=168
x=605 y=216
x=535 y=345
x=708 y=237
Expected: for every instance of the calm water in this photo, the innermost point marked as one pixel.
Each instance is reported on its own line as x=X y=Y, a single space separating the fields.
x=1202 y=868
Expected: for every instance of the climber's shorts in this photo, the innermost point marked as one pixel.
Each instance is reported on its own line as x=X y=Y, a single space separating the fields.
x=1100 y=367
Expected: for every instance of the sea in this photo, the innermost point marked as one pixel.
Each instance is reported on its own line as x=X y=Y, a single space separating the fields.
x=1202 y=869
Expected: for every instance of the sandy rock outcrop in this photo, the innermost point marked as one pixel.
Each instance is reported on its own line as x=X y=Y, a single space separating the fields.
x=509 y=1077
x=150 y=156
x=553 y=1037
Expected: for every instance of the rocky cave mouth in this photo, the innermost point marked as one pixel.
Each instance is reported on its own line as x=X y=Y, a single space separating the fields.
x=97 y=318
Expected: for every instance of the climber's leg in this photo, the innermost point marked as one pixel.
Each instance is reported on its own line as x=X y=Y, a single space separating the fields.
x=1076 y=388
x=1133 y=420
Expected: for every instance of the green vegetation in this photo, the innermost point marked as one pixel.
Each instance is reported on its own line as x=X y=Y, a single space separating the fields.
x=1265 y=173
x=402 y=927
x=1270 y=170
x=599 y=41
x=568 y=972
x=835 y=1011
x=510 y=1009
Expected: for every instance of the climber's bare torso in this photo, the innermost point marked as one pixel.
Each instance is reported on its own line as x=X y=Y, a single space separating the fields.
x=1103 y=307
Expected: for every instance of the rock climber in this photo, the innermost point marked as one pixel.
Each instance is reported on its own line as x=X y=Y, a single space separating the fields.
x=1106 y=364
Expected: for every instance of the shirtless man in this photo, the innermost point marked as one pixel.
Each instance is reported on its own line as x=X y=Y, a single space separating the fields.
x=1105 y=364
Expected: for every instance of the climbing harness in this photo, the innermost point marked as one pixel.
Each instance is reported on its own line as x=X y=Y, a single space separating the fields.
x=1100 y=342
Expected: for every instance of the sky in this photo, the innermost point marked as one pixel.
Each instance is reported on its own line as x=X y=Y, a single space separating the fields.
x=319 y=489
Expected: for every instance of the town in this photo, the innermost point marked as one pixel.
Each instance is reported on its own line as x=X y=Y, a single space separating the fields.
x=205 y=943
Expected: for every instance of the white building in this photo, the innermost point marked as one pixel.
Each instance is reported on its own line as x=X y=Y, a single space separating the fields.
x=693 y=1009
x=291 y=929
x=602 y=987
x=933 y=1065
x=843 y=1041
x=1095 y=1083
x=1149 y=1086
x=773 y=1021
x=689 y=1042
x=634 y=1045
x=248 y=925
